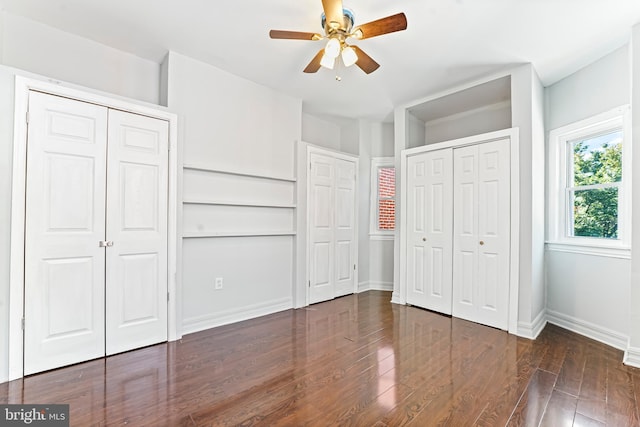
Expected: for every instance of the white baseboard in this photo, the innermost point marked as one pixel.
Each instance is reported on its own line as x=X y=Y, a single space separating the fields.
x=373 y=285
x=588 y=329
x=533 y=329
x=208 y=321
x=632 y=357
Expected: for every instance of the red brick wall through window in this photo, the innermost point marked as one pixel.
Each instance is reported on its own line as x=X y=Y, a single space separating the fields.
x=386 y=198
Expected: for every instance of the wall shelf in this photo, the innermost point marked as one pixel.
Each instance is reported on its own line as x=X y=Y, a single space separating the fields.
x=233 y=203
x=214 y=234
x=229 y=172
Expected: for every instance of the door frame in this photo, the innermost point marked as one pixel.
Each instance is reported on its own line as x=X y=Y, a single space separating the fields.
x=23 y=86
x=312 y=149
x=514 y=260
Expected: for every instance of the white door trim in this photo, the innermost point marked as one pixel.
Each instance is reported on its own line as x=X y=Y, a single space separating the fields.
x=514 y=269
x=337 y=155
x=16 y=287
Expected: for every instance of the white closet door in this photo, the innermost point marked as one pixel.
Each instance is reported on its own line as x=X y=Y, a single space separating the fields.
x=136 y=293
x=481 y=233
x=65 y=221
x=429 y=245
x=321 y=214
x=345 y=227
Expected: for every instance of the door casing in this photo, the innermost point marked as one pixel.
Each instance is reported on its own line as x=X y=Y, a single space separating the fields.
x=310 y=149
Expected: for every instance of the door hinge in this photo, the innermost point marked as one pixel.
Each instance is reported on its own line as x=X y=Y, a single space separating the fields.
x=167 y=296
x=310 y=165
x=309 y=283
x=22 y=323
x=27 y=117
x=354 y=267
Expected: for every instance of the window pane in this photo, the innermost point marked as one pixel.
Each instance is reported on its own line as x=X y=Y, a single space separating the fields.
x=386 y=183
x=386 y=194
x=597 y=160
x=595 y=213
x=386 y=214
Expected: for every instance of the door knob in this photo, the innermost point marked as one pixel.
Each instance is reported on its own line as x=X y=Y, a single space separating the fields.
x=481 y=242
x=424 y=239
x=105 y=243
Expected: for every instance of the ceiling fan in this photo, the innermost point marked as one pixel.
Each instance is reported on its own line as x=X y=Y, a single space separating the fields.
x=338 y=27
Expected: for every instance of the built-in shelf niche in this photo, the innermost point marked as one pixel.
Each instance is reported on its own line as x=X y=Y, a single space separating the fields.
x=220 y=203
x=479 y=109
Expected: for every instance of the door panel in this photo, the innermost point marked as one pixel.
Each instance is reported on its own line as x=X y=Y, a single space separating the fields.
x=345 y=230
x=136 y=292
x=65 y=205
x=322 y=251
x=481 y=233
x=429 y=210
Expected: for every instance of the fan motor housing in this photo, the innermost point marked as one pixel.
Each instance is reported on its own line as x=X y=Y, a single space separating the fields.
x=345 y=27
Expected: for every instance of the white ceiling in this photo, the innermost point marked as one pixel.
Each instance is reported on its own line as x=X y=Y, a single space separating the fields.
x=447 y=42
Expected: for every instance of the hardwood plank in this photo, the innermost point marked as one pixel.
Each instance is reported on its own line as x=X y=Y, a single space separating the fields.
x=584 y=421
x=533 y=403
x=353 y=361
x=622 y=406
x=572 y=370
x=560 y=411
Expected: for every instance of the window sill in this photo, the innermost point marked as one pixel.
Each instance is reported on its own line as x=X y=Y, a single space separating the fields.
x=381 y=236
x=622 y=252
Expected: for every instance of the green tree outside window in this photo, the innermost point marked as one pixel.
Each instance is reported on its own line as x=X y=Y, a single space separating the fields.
x=597 y=173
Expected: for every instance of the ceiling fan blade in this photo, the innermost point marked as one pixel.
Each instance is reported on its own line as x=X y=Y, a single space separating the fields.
x=314 y=65
x=333 y=12
x=387 y=25
x=293 y=35
x=365 y=62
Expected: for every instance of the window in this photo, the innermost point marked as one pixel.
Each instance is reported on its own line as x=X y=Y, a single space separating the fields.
x=383 y=193
x=589 y=183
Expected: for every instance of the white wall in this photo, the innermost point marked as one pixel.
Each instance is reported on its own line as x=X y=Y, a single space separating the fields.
x=234 y=126
x=41 y=49
x=6 y=154
x=415 y=131
x=527 y=114
x=375 y=256
x=321 y=132
x=632 y=355
x=598 y=87
x=587 y=293
x=469 y=123
x=364 y=192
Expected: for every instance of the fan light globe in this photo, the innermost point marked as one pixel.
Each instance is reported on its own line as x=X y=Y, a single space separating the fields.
x=327 y=61
x=332 y=50
x=349 y=56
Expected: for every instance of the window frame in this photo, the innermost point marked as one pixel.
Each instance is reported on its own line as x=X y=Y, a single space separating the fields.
x=561 y=164
x=375 y=233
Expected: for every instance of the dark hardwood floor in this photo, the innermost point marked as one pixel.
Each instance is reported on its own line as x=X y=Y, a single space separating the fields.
x=354 y=361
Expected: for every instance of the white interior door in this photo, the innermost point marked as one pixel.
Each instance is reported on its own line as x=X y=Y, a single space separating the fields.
x=481 y=233
x=65 y=221
x=429 y=232
x=345 y=227
x=136 y=274
x=321 y=225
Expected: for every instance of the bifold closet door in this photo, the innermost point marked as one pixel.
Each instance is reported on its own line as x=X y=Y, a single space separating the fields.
x=136 y=266
x=65 y=221
x=482 y=233
x=332 y=231
x=95 y=232
x=429 y=230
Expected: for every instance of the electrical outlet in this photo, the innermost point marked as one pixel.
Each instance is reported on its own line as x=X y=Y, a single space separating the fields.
x=219 y=283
